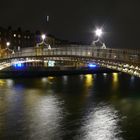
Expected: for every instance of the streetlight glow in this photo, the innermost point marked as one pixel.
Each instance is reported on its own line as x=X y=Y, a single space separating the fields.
x=7 y=44
x=43 y=37
x=98 y=32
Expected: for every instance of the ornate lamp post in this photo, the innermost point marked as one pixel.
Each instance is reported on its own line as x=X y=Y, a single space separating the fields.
x=99 y=32
x=43 y=36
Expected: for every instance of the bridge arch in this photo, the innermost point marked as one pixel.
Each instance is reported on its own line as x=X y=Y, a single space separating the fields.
x=124 y=60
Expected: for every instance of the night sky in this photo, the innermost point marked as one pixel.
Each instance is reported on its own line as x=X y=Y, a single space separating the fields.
x=75 y=20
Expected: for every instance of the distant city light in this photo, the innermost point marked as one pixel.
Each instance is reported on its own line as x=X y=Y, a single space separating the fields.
x=98 y=32
x=7 y=44
x=14 y=35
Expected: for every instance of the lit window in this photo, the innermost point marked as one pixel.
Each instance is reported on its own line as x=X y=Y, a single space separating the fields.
x=19 y=36
x=15 y=35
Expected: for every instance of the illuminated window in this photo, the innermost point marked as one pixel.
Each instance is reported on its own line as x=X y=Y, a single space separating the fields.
x=19 y=36
x=15 y=35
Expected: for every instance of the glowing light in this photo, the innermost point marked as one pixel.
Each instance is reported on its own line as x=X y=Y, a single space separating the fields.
x=115 y=81
x=7 y=44
x=88 y=80
x=10 y=82
x=89 y=53
x=51 y=63
x=2 y=82
x=44 y=80
x=43 y=36
x=105 y=75
x=65 y=79
x=101 y=124
x=92 y=65
x=50 y=78
x=18 y=65
x=115 y=77
x=98 y=32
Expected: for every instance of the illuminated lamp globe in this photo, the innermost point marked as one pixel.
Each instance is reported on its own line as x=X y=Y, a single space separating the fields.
x=43 y=36
x=98 y=32
x=7 y=44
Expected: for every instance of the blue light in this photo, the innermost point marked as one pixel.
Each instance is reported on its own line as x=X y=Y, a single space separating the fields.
x=92 y=65
x=18 y=65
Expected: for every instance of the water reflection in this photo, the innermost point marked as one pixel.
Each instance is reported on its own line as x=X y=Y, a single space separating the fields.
x=81 y=77
x=2 y=83
x=45 y=118
x=73 y=107
x=101 y=124
x=44 y=80
x=10 y=82
x=132 y=81
x=105 y=75
x=50 y=78
x=6 y=83
x=115 y=81
x=65 y=79
x=88 y=80
x=115 y=77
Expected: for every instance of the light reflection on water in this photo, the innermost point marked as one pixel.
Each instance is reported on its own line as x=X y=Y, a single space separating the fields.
x=45 y=118
x=115 y=81
x=88 y=80
x=80 y=107
x=101 y=124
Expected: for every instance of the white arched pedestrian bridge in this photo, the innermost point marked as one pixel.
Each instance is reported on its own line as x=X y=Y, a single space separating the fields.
x=124 y=60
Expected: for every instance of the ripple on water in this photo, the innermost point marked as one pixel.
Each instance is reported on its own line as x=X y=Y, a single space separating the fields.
x=101 y=124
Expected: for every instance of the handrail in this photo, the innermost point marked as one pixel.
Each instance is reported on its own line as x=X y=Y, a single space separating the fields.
x=88 y=51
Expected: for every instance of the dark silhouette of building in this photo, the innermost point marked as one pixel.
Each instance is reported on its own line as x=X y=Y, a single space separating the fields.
x=19 y=38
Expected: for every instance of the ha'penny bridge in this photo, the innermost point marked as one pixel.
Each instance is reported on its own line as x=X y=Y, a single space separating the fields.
x=123 y=60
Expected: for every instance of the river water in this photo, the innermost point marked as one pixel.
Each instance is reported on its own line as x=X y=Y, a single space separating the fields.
x=80 y=107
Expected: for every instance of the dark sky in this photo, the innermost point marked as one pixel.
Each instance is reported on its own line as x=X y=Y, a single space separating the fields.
x=75 y=20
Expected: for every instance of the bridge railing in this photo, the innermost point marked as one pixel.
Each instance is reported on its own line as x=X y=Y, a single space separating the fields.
x=80 y=51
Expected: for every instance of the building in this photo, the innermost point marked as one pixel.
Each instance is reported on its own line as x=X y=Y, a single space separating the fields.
x=19 y=39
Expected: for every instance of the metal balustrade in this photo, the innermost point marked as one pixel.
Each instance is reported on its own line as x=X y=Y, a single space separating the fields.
x=111 y=58
x=132 y=56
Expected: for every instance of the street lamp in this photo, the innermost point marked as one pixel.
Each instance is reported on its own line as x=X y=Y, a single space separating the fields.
x=98 y=32
x=7 y=44
x=43 y=36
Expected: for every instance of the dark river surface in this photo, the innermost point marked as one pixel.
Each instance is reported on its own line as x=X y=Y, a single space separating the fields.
x=78 y=107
